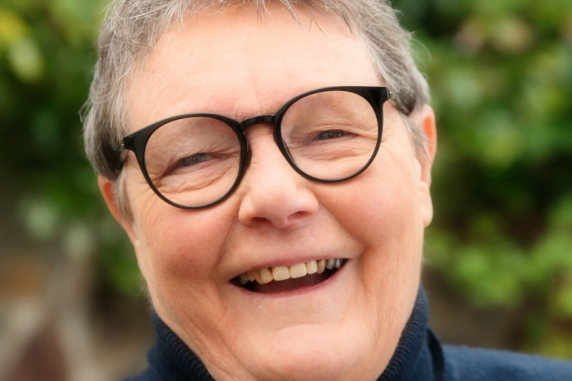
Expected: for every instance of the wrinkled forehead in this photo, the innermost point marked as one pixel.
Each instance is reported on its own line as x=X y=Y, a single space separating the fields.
x=239 y=63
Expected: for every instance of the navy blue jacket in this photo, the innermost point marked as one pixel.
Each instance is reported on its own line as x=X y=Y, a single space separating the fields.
x=418 y=357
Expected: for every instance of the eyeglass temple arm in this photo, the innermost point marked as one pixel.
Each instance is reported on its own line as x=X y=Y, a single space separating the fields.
x=126 y=144
x=400 y=106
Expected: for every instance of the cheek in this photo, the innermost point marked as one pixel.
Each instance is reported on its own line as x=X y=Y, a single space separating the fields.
x=179 y=248
x=380 y=205
x=381 y=209
x=182 y=249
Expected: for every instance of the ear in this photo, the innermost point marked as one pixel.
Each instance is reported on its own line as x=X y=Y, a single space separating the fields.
x=107 y=188
x=424 y=118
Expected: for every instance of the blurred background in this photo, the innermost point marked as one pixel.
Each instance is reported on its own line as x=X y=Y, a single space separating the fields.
x=498 y=266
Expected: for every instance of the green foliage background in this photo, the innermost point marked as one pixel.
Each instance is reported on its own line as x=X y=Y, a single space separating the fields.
x=501 y=78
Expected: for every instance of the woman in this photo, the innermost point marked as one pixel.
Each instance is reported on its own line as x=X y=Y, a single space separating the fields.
x=270 y=162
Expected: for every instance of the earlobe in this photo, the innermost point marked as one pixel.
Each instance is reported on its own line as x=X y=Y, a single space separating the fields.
x=424 y=119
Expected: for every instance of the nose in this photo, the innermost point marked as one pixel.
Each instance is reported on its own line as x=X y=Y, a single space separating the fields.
x=273 y=193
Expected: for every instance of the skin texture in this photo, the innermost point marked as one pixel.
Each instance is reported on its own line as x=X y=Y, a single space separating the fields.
x=237 y=64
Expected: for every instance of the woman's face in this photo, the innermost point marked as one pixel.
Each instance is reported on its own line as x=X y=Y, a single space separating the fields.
x=237 y=64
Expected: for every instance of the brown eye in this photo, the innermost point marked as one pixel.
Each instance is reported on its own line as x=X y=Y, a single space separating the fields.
x=332 y=134
x=196 y=159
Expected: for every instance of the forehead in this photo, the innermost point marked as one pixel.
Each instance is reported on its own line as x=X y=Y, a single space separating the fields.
x=239 y=64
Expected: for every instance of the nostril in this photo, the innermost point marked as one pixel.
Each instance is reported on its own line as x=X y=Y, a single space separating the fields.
x=296 y=216
x=260 y=220
x=291 y=220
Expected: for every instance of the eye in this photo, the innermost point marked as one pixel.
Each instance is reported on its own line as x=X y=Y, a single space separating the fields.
x=196 y=159
x=331 y=134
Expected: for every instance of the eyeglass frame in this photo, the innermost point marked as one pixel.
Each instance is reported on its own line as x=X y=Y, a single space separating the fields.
x=376 y=96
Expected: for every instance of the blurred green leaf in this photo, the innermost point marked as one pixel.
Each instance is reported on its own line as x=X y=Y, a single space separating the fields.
x=41 y=218
x=26 y=60
x=12 y=27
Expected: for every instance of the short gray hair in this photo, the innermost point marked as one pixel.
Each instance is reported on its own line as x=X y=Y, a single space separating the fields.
x=132 y=27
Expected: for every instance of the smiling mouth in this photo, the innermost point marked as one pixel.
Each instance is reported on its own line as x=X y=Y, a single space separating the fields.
x=286 y=278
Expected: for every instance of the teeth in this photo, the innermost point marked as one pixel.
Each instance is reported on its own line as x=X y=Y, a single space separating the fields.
x=280 y=273
x=321 y=266
x=330 y=263
x=298 y=271
x=311 y=267
x=266 y=275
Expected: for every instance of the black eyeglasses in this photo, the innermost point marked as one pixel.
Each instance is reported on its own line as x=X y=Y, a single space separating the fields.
x=328 y=135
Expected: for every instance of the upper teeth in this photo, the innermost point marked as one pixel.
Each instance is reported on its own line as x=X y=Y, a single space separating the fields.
x=268 y=274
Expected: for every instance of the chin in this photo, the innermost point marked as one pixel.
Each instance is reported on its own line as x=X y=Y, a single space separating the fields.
x=316 y=352
x=309 y=353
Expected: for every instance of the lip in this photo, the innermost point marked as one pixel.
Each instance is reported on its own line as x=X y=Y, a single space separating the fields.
x=301 y=291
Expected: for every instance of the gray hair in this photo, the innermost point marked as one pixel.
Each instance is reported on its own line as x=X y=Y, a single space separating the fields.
x=132 y=27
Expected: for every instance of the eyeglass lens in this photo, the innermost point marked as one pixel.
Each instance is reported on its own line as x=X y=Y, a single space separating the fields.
x=195 y=161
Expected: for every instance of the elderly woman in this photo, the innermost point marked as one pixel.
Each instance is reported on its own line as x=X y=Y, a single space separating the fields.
x=271 y=164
